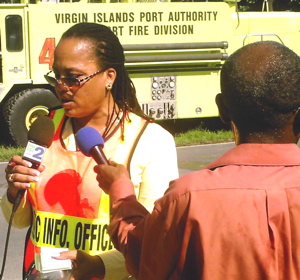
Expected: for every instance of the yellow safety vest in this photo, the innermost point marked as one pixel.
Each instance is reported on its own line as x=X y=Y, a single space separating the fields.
x=70 y=210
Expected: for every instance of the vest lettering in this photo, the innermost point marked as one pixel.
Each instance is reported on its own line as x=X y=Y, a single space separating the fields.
x=49 y=230
x=63 y=234
x=35 y=230
x=93 y=235
x=104 y=242
x=67 y=232
x=86 y=235
x=78 y=236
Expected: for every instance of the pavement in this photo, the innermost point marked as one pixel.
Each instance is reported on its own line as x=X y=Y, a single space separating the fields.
x=13 y=267
x=193 y=158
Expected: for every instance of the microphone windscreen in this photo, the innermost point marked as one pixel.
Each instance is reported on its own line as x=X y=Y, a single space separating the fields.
x=87 y=138
x=42 y=131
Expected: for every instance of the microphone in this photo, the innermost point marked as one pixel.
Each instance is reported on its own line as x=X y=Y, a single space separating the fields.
x=40 y=137
x=91 y=143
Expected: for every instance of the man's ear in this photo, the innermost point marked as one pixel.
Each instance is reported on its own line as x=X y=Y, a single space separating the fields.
x=296 y=125
x=223 y=110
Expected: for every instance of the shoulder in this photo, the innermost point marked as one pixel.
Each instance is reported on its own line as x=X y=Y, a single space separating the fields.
x=156 y=137
x=156 y=130
x=153 y=131
x=196 y=181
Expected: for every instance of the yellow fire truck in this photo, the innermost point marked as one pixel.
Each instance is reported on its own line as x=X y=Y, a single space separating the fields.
x=174 y=52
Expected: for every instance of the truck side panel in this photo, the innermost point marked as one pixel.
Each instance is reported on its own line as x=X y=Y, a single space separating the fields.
x=145 y=24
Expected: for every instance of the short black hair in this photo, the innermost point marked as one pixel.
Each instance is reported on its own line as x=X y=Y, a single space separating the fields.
x=260 y=83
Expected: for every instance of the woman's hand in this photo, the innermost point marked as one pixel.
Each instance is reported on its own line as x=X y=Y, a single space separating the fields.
x=19 y=175
x=85 y=266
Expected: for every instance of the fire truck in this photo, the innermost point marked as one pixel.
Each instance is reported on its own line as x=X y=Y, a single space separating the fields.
x=174 y=52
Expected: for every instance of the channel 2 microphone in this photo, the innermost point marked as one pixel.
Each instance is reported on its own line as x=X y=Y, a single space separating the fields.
x=40 y=137
x=91 y=143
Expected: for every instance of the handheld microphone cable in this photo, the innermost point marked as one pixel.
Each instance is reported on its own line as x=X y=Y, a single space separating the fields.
x=40 y=137
x=91 y=143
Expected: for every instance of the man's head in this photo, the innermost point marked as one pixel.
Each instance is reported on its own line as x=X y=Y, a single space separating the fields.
x=260 y=86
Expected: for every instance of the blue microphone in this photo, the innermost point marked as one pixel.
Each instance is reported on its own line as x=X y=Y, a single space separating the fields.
x=90 y=142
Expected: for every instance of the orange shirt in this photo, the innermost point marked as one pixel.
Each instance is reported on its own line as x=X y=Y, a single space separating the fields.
x=237 y=219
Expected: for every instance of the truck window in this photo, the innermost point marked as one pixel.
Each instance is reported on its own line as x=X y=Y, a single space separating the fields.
x=14 y=33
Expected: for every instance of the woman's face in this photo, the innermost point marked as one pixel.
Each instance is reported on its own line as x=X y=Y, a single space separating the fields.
x=74 y=57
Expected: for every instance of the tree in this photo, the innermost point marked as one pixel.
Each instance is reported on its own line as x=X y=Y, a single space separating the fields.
x=276 y=5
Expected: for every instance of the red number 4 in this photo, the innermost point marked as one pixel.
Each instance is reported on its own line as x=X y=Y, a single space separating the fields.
x=47 y=52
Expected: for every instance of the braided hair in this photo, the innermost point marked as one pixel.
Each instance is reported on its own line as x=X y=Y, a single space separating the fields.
x=110 y=54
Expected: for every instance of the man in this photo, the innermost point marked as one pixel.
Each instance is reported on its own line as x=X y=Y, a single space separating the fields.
x=239 y=218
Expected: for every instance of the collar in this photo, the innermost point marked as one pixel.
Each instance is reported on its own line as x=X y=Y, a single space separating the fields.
x=259 y=154
x=68 y=136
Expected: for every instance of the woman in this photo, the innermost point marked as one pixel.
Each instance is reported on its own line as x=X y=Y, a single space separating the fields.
x=70 y=210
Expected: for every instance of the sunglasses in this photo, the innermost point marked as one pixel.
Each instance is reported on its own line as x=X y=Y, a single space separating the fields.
x=71 y=82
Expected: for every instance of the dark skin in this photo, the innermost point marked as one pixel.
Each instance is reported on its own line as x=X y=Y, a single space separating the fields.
x=246 y=70
x=288 y=134
x=92 y=266
x=21 y=175
x=107 y=174
x=72 y=57
x=85 y=266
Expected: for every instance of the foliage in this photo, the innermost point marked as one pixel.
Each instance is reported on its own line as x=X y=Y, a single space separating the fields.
x=202 y=136
x=6 y=152
x=278 y=5
x=192 y=137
